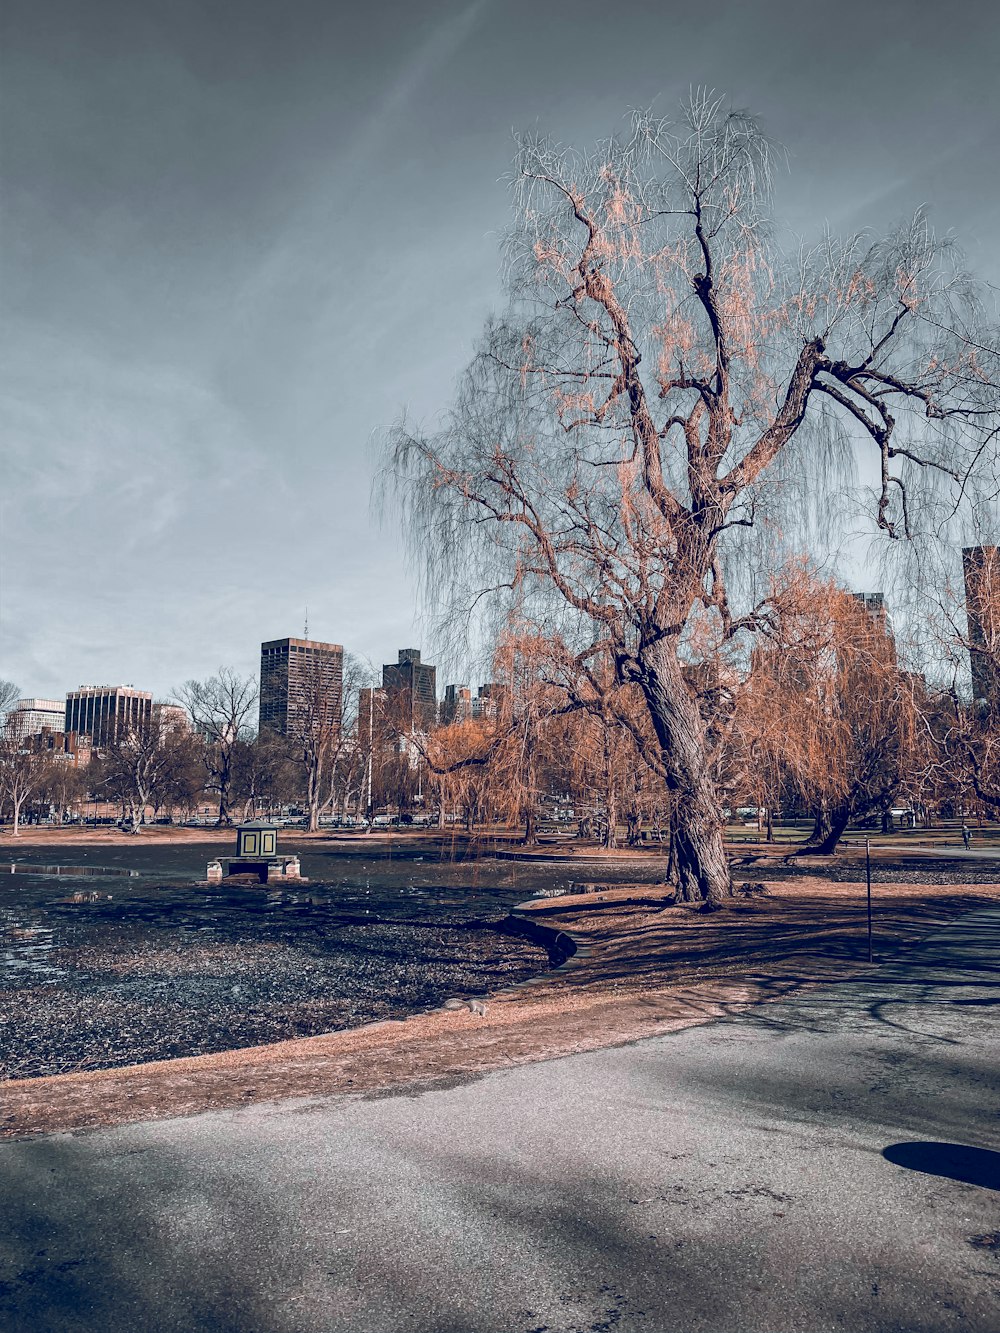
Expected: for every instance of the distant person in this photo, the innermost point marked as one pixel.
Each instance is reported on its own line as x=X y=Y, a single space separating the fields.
x=966 y=836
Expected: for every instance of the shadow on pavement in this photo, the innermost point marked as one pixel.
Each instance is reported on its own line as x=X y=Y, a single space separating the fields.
x=954 y=1161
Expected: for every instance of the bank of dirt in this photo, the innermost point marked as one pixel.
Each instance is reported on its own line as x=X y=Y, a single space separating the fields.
x=644 y=968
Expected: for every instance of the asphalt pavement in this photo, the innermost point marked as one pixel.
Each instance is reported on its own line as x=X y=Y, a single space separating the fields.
x=825 y=1162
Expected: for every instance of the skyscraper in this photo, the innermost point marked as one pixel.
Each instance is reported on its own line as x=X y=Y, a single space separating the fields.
x=105 y=713
x=411 y=686
x=301 y=686
x=874 y=604
x=981 y=567
x=456 y=706
x=492 y=700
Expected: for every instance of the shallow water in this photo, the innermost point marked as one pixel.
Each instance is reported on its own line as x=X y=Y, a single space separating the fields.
x=115 y=955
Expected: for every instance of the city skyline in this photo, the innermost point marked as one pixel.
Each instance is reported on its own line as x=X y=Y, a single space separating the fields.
x=278 y=692
x=216 y=295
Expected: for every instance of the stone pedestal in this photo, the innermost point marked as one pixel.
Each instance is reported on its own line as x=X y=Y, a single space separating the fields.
x=276 y=869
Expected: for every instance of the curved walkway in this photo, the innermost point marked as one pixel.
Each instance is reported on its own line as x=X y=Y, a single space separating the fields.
x=821 y=1162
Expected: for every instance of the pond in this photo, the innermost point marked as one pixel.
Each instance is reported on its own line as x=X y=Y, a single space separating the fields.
x=111 y=954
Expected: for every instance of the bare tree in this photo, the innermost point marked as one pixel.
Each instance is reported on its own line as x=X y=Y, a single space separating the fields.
x=264 y=772
x=63 y=784
x=666 y=383
x=324 y=729
x=139 y=765
x=9 y=694
x=221 y=708
x=22 y=773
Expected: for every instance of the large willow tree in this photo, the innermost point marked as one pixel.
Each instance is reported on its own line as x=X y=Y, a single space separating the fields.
x=666 y=396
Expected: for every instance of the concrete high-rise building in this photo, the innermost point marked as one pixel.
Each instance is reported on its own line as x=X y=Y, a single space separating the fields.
x=411 y=687
x=30 y=717
x=301 y=686
x=456 y=706
x=106 y=712
x=491 y=700
x=981 y=567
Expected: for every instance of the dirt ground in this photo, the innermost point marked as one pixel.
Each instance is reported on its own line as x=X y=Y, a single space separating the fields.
x=643 y=968
x=563 y=847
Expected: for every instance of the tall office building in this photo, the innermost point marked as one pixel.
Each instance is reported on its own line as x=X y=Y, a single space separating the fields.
x=411 y=686
x=456 y=706
x=874 y=604
x=981 y=567
x=106 y=712
x=30 y=717
x=301 y=686
x=492 y=700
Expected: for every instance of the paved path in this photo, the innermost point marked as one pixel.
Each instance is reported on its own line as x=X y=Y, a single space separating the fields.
x=788 y=1169
x=939 y=851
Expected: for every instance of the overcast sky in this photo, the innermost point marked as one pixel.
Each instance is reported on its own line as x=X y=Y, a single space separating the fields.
x=241 y=235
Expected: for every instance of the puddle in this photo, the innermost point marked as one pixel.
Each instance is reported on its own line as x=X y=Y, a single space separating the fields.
x=26 y=952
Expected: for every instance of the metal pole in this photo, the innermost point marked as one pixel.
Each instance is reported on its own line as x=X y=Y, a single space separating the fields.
x=371 y=743
x=868 y=875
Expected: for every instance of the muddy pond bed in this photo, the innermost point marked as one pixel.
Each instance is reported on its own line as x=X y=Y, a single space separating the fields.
x=114 y=956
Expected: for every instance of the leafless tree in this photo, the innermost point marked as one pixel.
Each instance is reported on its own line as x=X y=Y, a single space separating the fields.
x=264 y=772
x=22 y=773
x=63 y=784
x=9 y=694
x=324 y=729
x=667 y=392
x=221 y=708
x=137 y=766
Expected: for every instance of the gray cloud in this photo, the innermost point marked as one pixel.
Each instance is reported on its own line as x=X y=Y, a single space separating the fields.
x=240 y=237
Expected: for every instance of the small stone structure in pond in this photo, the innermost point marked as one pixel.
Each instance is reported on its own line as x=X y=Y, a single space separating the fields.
x=256 y=854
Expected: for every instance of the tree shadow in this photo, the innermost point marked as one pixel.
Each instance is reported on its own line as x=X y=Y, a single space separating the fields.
x=953 y=1161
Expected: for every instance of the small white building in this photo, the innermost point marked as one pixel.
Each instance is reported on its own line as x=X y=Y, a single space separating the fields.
x=30 y=717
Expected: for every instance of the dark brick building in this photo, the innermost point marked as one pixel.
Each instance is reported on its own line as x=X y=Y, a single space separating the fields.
x=981 y=567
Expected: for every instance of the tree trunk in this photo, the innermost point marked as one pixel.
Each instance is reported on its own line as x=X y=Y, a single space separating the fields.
x=828 y=829
x=702 y=867
x=225 y=779
x=530 y=838
x=610 y=811
x=671 y=849
x=610 y=797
